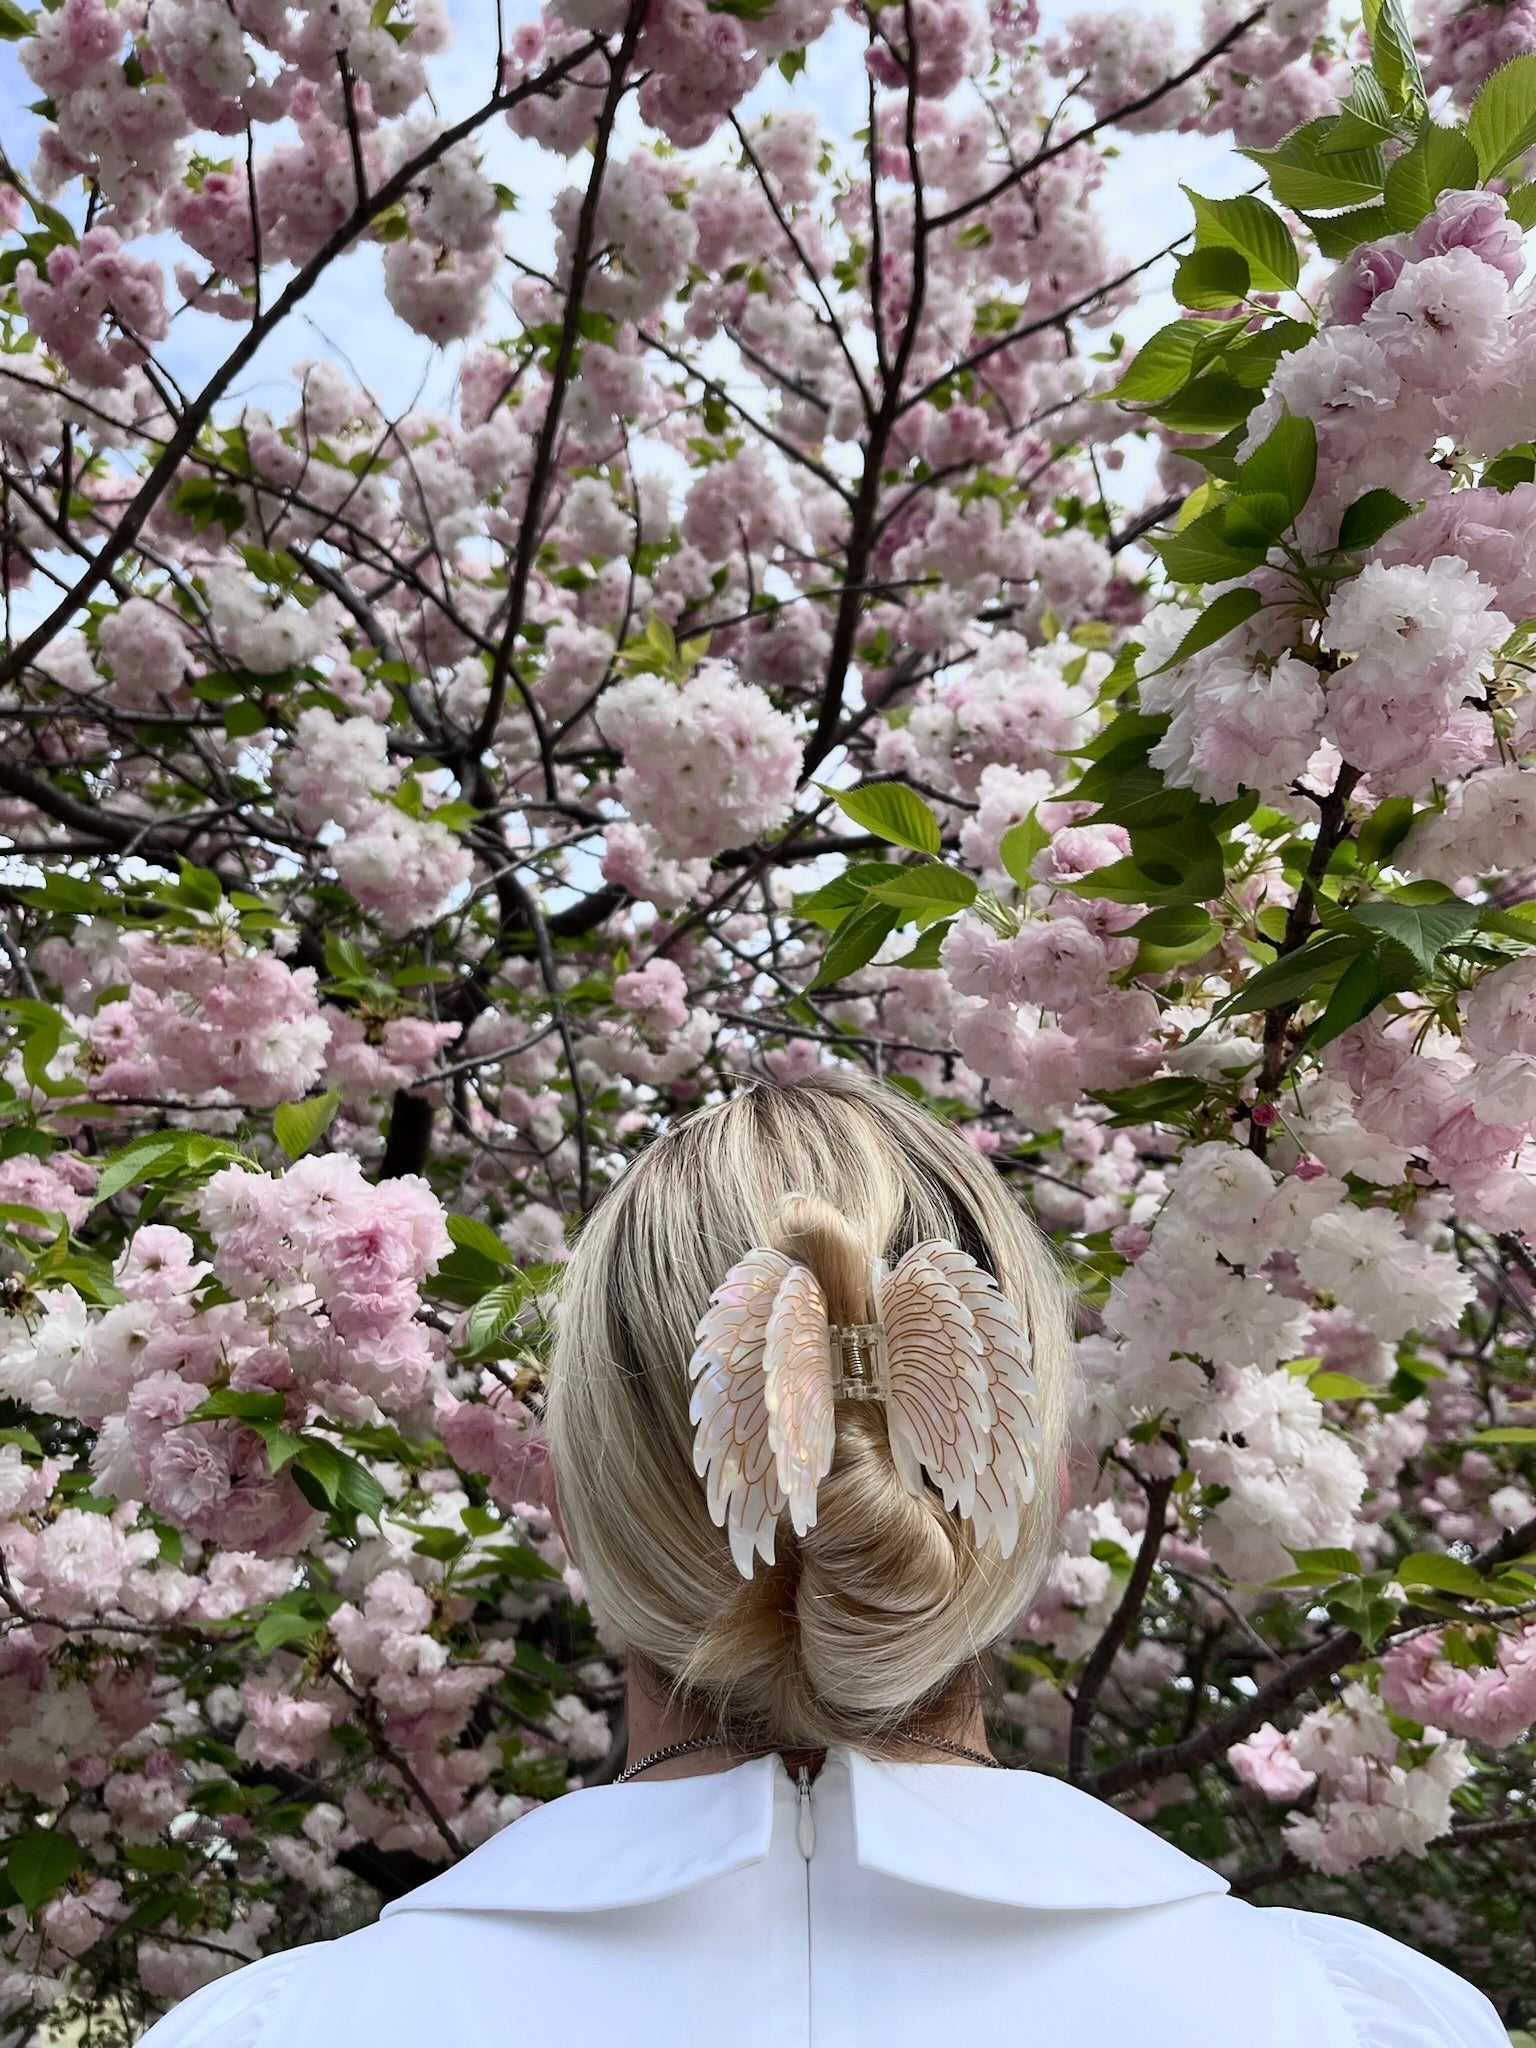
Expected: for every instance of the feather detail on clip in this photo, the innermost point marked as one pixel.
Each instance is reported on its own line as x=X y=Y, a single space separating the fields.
x=731 y=1451
x=960 y=1404
x=940 y=1410
x=798 y=1390
x=963 y=1405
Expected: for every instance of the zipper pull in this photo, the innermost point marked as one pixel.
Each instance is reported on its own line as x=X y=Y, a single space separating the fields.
x=805 y=1824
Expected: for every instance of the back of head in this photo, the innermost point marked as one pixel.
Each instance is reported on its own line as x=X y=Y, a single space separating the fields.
x=865 y=1627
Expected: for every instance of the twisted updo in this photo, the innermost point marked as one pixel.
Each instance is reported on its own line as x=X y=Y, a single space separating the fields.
x=865 y=1629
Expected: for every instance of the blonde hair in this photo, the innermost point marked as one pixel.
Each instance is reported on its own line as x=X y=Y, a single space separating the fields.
x=869 y=1626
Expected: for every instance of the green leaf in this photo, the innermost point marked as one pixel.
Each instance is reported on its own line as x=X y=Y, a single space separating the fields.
x=138 y=1162
x=1254 y=231
x=14 y=24
x=42 y=1042
x=893 y=812
x=1223 y=615
x=1440 y=160
x=925 y=954
x=471 y=1235
x=1152 y=1101
x=280 y=1444
x=296 y=1617
x=252 y=1405
x=338 y=1479
x=1508 y=1434
x=1212 y=404
x=1338 y=234
x=1384 y=830
x=1370 y=516
x=933 y=888
x=40 y=1863
x=1255 y=520
x=1518 y=922
x=1341 y=1386
x=1444 y=1574
x=51 y=1220
x=1516 y=465
x=514 y=1561
x=1393 y=57
x=1175 y=924
x=299 y=1125
x=830 y=904
x=1163 y=364
x=243 y=718
x=1251 y=358
x=1342 y=1563
x=1502 y=124
x=1218 y=458
x=1284 y=463
x=1358 y=990
x=1018 y=847
x=1294 y=976
x=1180 y=863
x=1520 y=205
x=1202 y=553
x=1367 y=1608
x=200 y=888
x=1129 y=735
x=1424 y=929
x=1212 y=278
x=856 y=942
x=1172 y=935
x=1365 y=117
x=492 y=1315
x=443 y=1546
x=1300 y=175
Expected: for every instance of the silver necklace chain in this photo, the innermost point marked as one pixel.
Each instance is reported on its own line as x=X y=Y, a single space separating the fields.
x=674 y=1749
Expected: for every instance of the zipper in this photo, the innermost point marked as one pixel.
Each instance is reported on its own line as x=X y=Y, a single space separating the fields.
x=805 y=1835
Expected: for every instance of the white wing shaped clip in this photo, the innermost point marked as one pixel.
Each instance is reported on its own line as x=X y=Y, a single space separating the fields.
x=963 y=1404
x=762 y=1401
x=949 y=1356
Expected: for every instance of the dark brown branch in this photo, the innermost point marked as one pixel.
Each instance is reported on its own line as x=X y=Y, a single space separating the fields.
x=1332 y=828
x=1107 y=1648
x=1146 y=1766
x=409 y=1144
x=862 y=527
x=541 y=473
x=1096 y=127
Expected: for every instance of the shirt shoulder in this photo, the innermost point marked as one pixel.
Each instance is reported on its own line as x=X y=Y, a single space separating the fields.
x=234 y=2010
x=1393 y=1996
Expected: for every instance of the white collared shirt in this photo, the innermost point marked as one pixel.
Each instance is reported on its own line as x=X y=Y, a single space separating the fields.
x=884 y=1906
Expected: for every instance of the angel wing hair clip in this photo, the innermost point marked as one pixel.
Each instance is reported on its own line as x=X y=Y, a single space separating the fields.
x=947 y=1354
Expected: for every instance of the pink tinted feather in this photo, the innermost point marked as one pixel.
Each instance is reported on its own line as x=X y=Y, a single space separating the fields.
x=939 y=1407
x=1006 y=1482
x=731 y=1448
x=798 y=1390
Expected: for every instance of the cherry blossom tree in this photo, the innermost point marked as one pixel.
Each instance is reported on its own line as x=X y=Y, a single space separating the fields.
x=800 y=632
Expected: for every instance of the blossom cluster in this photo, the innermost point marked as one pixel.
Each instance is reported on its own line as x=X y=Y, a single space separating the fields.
x=747 y=654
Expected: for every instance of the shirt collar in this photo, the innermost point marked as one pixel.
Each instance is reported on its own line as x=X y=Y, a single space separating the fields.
x=1013 y=1837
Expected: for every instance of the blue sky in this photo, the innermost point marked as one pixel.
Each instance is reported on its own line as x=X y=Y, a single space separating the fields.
x=346 y=315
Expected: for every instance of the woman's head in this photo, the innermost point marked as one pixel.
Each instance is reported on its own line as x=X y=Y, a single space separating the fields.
x=867 y=1625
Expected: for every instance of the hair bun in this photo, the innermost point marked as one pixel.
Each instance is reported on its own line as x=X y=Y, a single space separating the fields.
x=865 y=1624
x=810 y=1229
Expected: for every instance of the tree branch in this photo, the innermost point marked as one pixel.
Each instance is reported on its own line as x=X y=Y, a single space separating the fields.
x=1107 y=1648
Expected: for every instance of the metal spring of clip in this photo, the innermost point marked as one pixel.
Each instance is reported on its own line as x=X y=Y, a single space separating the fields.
x=859 y=1359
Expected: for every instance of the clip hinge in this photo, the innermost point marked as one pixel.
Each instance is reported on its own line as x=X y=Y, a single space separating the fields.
x=858 y=1356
